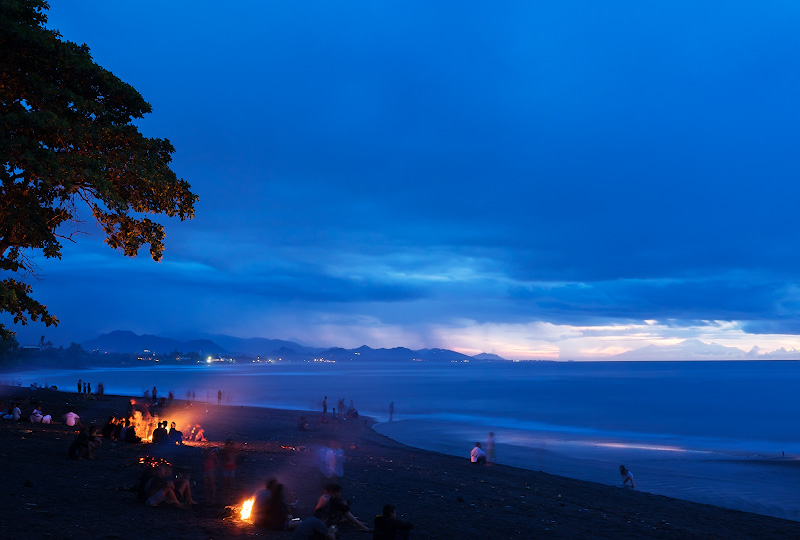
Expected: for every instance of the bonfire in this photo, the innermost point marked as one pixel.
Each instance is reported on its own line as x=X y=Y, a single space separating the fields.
x=247 y=508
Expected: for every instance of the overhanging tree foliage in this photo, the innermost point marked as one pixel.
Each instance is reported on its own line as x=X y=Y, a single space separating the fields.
x=66 y=139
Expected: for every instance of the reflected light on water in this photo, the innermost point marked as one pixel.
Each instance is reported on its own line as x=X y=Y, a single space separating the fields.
x=636 y=446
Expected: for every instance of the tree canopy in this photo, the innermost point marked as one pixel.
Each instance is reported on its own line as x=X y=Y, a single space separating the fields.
x=67 y=140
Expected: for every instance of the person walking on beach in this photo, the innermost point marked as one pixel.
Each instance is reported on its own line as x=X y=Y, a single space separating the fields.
x=325 y=406
x=626 y=476
x=219 y=397
x=80 y=386
x=391 y=411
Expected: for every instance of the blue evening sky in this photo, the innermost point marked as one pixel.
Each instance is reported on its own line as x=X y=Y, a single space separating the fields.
x=562 y=179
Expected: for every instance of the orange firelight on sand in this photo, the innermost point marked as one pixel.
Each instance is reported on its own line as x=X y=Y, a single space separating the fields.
x=247 y=508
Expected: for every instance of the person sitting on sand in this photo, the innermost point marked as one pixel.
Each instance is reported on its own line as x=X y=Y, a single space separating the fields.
x=270 y=509
x=197 y=433
x=94 y=441
x=388 y=527
x=72 y=419
x=160 y=434
x=13 y=413
x=160 y=488
x=130 y=433
x=261 y=504
x=175 y=436
x=79 y=449
x=38 y=417
x=108 y=428
x=477 y=455
x=626 y=476
x=85 y=444
x=314 y=528
x=335 y=508
x=119 y=425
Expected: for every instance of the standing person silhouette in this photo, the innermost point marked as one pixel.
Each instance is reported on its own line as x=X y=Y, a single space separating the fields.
x=490 y=455
x=228 y=458
x=391 y=411
x=219 y=397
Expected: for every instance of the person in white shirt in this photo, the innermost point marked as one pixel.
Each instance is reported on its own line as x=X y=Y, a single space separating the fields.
x=38 y=417
x=477 y=455
x=72 y=419
x=13 y=413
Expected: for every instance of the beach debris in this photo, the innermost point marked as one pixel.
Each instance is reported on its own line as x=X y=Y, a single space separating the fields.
x=229 y=512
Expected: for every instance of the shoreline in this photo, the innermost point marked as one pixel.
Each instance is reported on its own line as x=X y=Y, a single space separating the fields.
x=750 y=482
x=48 y=494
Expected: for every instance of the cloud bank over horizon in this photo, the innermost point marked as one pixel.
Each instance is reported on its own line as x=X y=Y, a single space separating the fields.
x=535 y=181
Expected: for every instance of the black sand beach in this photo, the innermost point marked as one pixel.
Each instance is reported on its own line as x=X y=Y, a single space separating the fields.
x=47 y=495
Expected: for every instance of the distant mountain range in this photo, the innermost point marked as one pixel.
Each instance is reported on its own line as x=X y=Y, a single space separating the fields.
x=694 y=349
x=123 y=341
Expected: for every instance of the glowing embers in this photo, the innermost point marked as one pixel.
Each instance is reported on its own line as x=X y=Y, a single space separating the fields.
x=151 y=461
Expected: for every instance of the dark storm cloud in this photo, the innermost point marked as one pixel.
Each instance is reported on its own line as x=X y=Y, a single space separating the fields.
x=719 y=299
x=421 y=166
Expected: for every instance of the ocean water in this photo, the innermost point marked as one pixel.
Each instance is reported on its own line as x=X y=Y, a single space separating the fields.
x=722 y=433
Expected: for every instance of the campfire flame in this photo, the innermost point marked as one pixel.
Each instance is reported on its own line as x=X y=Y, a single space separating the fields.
x=247 y=508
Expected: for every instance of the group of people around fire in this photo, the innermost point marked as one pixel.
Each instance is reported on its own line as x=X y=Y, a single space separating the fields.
x=271 y=511
x=163 y=484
